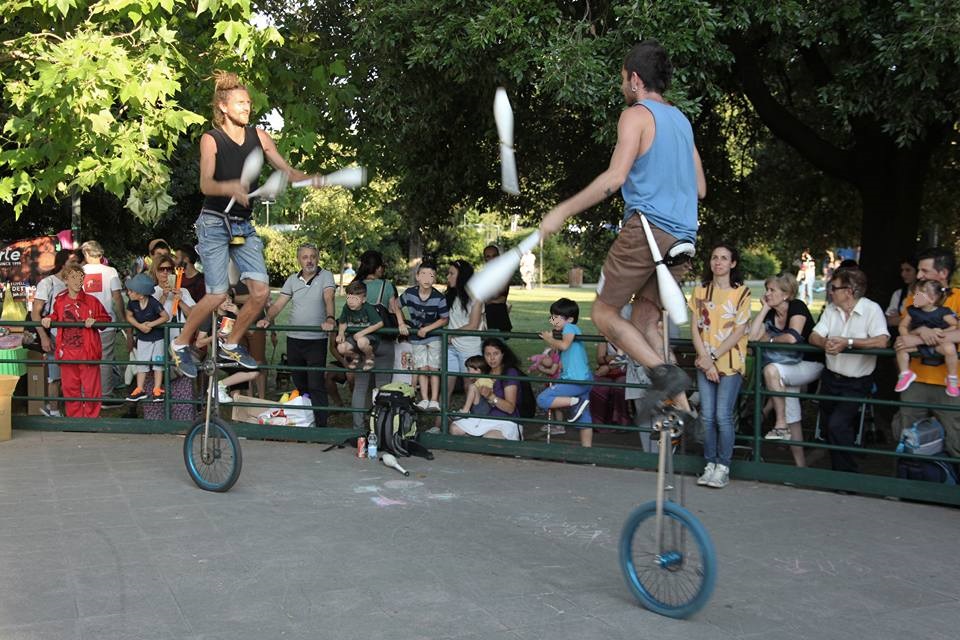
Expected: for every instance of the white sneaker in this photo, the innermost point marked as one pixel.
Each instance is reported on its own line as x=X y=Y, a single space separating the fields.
x=721 y=477
x=423 y=405
x=708 y=473
x=433 y=405
x=50 y=413
x=222 y=396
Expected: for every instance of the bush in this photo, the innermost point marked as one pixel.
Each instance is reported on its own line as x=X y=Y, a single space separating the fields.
x=758 y=262
x=280 y=253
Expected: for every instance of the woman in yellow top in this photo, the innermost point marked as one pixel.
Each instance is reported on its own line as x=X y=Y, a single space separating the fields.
x=721 y=317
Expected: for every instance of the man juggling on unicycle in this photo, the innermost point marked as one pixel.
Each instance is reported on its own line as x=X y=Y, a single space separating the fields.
x=656 y=166
x=224 y=229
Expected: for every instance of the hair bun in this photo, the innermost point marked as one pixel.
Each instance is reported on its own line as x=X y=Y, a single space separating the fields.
x=225 y=80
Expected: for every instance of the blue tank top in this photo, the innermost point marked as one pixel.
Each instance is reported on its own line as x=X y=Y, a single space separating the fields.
x=662 y=182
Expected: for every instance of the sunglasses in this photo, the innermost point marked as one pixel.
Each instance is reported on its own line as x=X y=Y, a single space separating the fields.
x=164 y=268
x=833 y=288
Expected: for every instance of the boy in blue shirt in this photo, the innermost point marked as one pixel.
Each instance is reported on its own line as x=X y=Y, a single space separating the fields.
x=428 y=312
x=567 y=392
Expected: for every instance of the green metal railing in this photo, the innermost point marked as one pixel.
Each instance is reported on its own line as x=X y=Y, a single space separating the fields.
x=754 y=468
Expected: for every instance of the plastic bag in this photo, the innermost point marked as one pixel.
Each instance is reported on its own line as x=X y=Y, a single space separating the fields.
x=12 y=309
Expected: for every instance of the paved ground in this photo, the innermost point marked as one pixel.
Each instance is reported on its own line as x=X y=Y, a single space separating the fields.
x=105 y=537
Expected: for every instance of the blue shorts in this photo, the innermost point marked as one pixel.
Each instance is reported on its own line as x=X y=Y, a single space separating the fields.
x=562 y=390
x=213 y=245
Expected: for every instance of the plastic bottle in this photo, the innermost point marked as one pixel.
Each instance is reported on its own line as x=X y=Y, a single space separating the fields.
x=372 y=446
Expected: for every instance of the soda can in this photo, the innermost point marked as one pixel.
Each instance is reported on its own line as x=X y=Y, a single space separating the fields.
x=361 y=447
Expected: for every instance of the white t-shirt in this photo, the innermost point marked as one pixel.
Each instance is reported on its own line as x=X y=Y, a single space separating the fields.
x=185 y=299
x=100 y=281
x=865 y=321
x=460 y=317
x=47 y=290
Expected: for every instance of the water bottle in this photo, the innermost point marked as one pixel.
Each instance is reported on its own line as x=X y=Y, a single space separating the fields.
x=372 y=446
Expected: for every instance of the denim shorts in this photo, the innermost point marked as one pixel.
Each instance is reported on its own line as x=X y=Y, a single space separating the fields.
x=213 y=245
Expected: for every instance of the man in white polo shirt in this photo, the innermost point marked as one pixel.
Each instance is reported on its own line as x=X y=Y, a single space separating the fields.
x=850 y=321
x=103 y=283
x=311 y=291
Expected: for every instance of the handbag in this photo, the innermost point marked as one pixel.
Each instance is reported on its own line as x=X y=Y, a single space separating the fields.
x=781 y=356
x=389 y=319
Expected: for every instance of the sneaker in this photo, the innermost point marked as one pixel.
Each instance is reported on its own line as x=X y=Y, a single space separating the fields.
x=952 y=390
x=50 y=413
x=136 y=395
x=183 y=360
x=238 y=354
x=433 y=430
x=904 y=381
x=223 y=397
x=433 y=405
x=777 y=434
x=556 y=429
x=581 y=407
x=721 y=477
x=159 y=395
x=707 y=476
x=669 y=379
x=423 y=405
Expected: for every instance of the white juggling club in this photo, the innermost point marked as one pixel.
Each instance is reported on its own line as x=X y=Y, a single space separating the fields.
x=273 y=187
x=250 y=171
x=671 y=297
x=503 y=114
x=497 y=273
x=390 y=460
x=348 y=178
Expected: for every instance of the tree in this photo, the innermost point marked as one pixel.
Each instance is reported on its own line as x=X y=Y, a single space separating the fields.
x=867 y=93
x=100 y=93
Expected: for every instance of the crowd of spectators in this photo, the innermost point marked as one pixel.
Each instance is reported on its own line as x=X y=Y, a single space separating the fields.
x=166 y=286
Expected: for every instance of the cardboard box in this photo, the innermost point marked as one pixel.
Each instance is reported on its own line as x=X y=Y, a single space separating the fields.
x=249 y=414
x=36 y=382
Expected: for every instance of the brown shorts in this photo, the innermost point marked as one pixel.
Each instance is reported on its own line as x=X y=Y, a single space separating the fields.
x=629 y=267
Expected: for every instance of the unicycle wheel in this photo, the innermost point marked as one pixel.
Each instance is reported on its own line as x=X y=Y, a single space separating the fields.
x=218 y=467
x=677 y=579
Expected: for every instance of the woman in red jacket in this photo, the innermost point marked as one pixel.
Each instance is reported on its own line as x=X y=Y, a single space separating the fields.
x=78 y=343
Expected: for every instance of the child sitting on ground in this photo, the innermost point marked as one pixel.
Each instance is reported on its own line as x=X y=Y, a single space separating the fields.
x=360 y=315
x=927 y=310
x=475 y=403
x=568 y=392
x=146 y=314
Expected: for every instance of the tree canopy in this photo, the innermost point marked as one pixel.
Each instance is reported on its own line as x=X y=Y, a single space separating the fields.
x=818 y=122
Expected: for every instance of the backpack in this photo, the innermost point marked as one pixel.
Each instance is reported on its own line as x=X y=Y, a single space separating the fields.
x=923 y=437
x=927 y=471
x=393 y=418
x=527 y=400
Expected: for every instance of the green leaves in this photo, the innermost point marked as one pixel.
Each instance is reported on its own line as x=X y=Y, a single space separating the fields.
x=95 y=100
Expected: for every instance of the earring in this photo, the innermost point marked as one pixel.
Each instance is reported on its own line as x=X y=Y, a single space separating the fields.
x=634 y=89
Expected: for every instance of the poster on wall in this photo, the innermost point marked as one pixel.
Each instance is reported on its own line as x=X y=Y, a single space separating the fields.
x=23 y=263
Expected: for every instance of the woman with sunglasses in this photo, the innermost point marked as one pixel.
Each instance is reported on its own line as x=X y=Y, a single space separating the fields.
x=164 y=275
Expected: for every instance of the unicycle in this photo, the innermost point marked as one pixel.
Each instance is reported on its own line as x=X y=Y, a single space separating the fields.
x=211 y=449
x=666 y=554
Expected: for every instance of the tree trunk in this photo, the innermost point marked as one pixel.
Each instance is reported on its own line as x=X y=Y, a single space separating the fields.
x=890 y=181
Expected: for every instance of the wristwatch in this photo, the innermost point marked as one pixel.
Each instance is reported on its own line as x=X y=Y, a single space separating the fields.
x=849 y=343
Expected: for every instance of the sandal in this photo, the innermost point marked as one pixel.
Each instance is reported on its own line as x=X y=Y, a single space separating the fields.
x=778 y=433
x=368 y=364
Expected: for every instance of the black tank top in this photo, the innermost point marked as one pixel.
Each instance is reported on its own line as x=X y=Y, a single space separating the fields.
x=230 y=157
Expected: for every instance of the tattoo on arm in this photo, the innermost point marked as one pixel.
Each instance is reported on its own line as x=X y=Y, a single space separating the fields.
x=607 y=192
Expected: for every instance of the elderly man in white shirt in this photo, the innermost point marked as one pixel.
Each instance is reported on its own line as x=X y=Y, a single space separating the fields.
x=850 y=321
